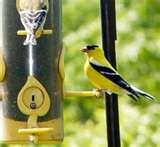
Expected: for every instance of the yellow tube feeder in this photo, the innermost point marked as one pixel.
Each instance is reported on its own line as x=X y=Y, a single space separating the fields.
x=32 y=99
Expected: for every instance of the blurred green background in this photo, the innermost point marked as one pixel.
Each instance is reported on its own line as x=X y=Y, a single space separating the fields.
x=138 y=60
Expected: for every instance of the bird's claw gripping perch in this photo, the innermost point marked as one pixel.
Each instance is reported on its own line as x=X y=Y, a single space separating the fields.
x=98 y=92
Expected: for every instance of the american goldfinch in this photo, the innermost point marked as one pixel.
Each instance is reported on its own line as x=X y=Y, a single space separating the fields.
x=33 y=16
x=104 y=77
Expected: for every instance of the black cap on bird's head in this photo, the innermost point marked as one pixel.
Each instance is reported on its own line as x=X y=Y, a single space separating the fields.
x=89 y=47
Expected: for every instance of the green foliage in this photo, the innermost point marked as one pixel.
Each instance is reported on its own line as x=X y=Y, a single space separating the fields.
x=138 y=56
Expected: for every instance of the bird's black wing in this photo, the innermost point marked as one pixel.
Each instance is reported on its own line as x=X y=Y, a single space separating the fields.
x=113 y=76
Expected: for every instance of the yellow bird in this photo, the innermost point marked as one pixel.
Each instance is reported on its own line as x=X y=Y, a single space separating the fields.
x=104 y=77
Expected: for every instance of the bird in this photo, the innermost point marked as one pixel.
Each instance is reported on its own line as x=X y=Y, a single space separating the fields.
x=105 y=78
x=33 y=15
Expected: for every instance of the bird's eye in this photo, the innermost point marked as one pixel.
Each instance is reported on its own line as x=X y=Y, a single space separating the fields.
x=92 y=47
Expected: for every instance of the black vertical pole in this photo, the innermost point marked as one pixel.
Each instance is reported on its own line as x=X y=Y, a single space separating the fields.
x=108 y=20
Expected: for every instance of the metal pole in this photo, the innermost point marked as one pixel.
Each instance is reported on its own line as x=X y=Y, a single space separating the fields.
x=108 y=20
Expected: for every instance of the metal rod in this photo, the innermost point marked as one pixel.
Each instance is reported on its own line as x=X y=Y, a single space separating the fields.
x=44 y=32
x=35 y=130
x=83 y=93
x=108 y=20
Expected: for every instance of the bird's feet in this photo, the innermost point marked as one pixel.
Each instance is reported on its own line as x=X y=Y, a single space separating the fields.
x=100 y=92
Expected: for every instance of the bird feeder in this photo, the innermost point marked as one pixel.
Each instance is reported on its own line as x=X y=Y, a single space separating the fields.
x=32 y=75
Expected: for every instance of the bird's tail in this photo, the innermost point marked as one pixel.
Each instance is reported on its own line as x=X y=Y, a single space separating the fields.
x=136 y=93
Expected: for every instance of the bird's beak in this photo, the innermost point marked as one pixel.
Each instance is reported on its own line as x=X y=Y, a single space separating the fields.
x=84 y=49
